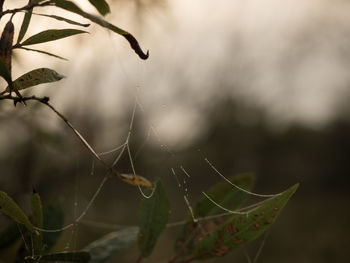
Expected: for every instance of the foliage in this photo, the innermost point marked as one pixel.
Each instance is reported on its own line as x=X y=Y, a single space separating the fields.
x=154 y=213
x=213 y=234
x=39 y=76
x=206 y=233
x=7 y=45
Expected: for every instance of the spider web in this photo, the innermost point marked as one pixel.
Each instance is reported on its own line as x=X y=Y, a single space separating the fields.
x=179 y=174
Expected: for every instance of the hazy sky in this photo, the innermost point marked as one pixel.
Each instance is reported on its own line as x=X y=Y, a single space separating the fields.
x=290 y=58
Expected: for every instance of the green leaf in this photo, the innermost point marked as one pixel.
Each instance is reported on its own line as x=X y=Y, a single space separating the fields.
x=37 y=209
x=4 y=72
x=51 y=35
x=42 y=52
x=37 y=220
x=36 y=77
x=11 y=209
x=224 y=194
x=53 y=219
x=71 y=7
x=101 y=6
x=110 y=244
x=60 y=18
x=240 y=229
x=79 y=256
x=25 y=24
x=153 y=217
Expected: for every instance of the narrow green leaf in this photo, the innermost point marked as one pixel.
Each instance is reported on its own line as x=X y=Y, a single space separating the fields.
x=60 y=18
x=51 y=35
x=10 y=235
x=53 y=219
x=36 y=77
x=37 y=209
x=11 y=209
x=109 y=245
x=240 y=229
x=224 y=194
x=37 y=220
x=79 y=256
x=25 y=24
x=71 y=7
x=42 y=52
x=101 y=6
x=153 y=216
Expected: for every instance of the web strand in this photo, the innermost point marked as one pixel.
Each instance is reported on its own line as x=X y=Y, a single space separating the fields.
x=234 y=185
x=134 y=172
x=112 y=150
x=81 y=215
x=223 y=208
x=261 y=247
x=185 y=196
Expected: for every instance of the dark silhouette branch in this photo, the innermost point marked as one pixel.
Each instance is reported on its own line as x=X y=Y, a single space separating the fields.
x=21 y=9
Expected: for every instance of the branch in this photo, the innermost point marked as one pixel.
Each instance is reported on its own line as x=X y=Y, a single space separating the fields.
x=134 y=179
x=21 y=9
x=1 y=7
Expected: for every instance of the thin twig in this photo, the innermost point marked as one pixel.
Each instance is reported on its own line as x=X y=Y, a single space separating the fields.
x=24 y=8
x=45 y=101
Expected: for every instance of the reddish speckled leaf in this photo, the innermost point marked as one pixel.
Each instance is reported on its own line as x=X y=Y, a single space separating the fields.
x=223 y=193
x=240 y=229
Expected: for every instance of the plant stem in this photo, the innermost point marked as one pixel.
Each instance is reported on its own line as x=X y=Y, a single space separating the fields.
x=45 y=100
x=1 y=6
x=20 y=9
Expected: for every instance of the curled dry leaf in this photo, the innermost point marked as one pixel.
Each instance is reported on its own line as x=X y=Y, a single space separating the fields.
x=6 y=51
x=6 y=44
x=72 y=7
x=134 y=179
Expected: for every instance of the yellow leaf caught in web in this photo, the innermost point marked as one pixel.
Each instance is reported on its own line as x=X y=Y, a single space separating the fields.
x=134 y=179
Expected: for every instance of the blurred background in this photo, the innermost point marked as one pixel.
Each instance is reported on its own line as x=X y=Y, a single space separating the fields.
x=254 y=86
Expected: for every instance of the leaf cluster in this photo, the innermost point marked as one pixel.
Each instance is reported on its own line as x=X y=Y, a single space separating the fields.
x=212 y=233
x=44 y=75
x=207 y=233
